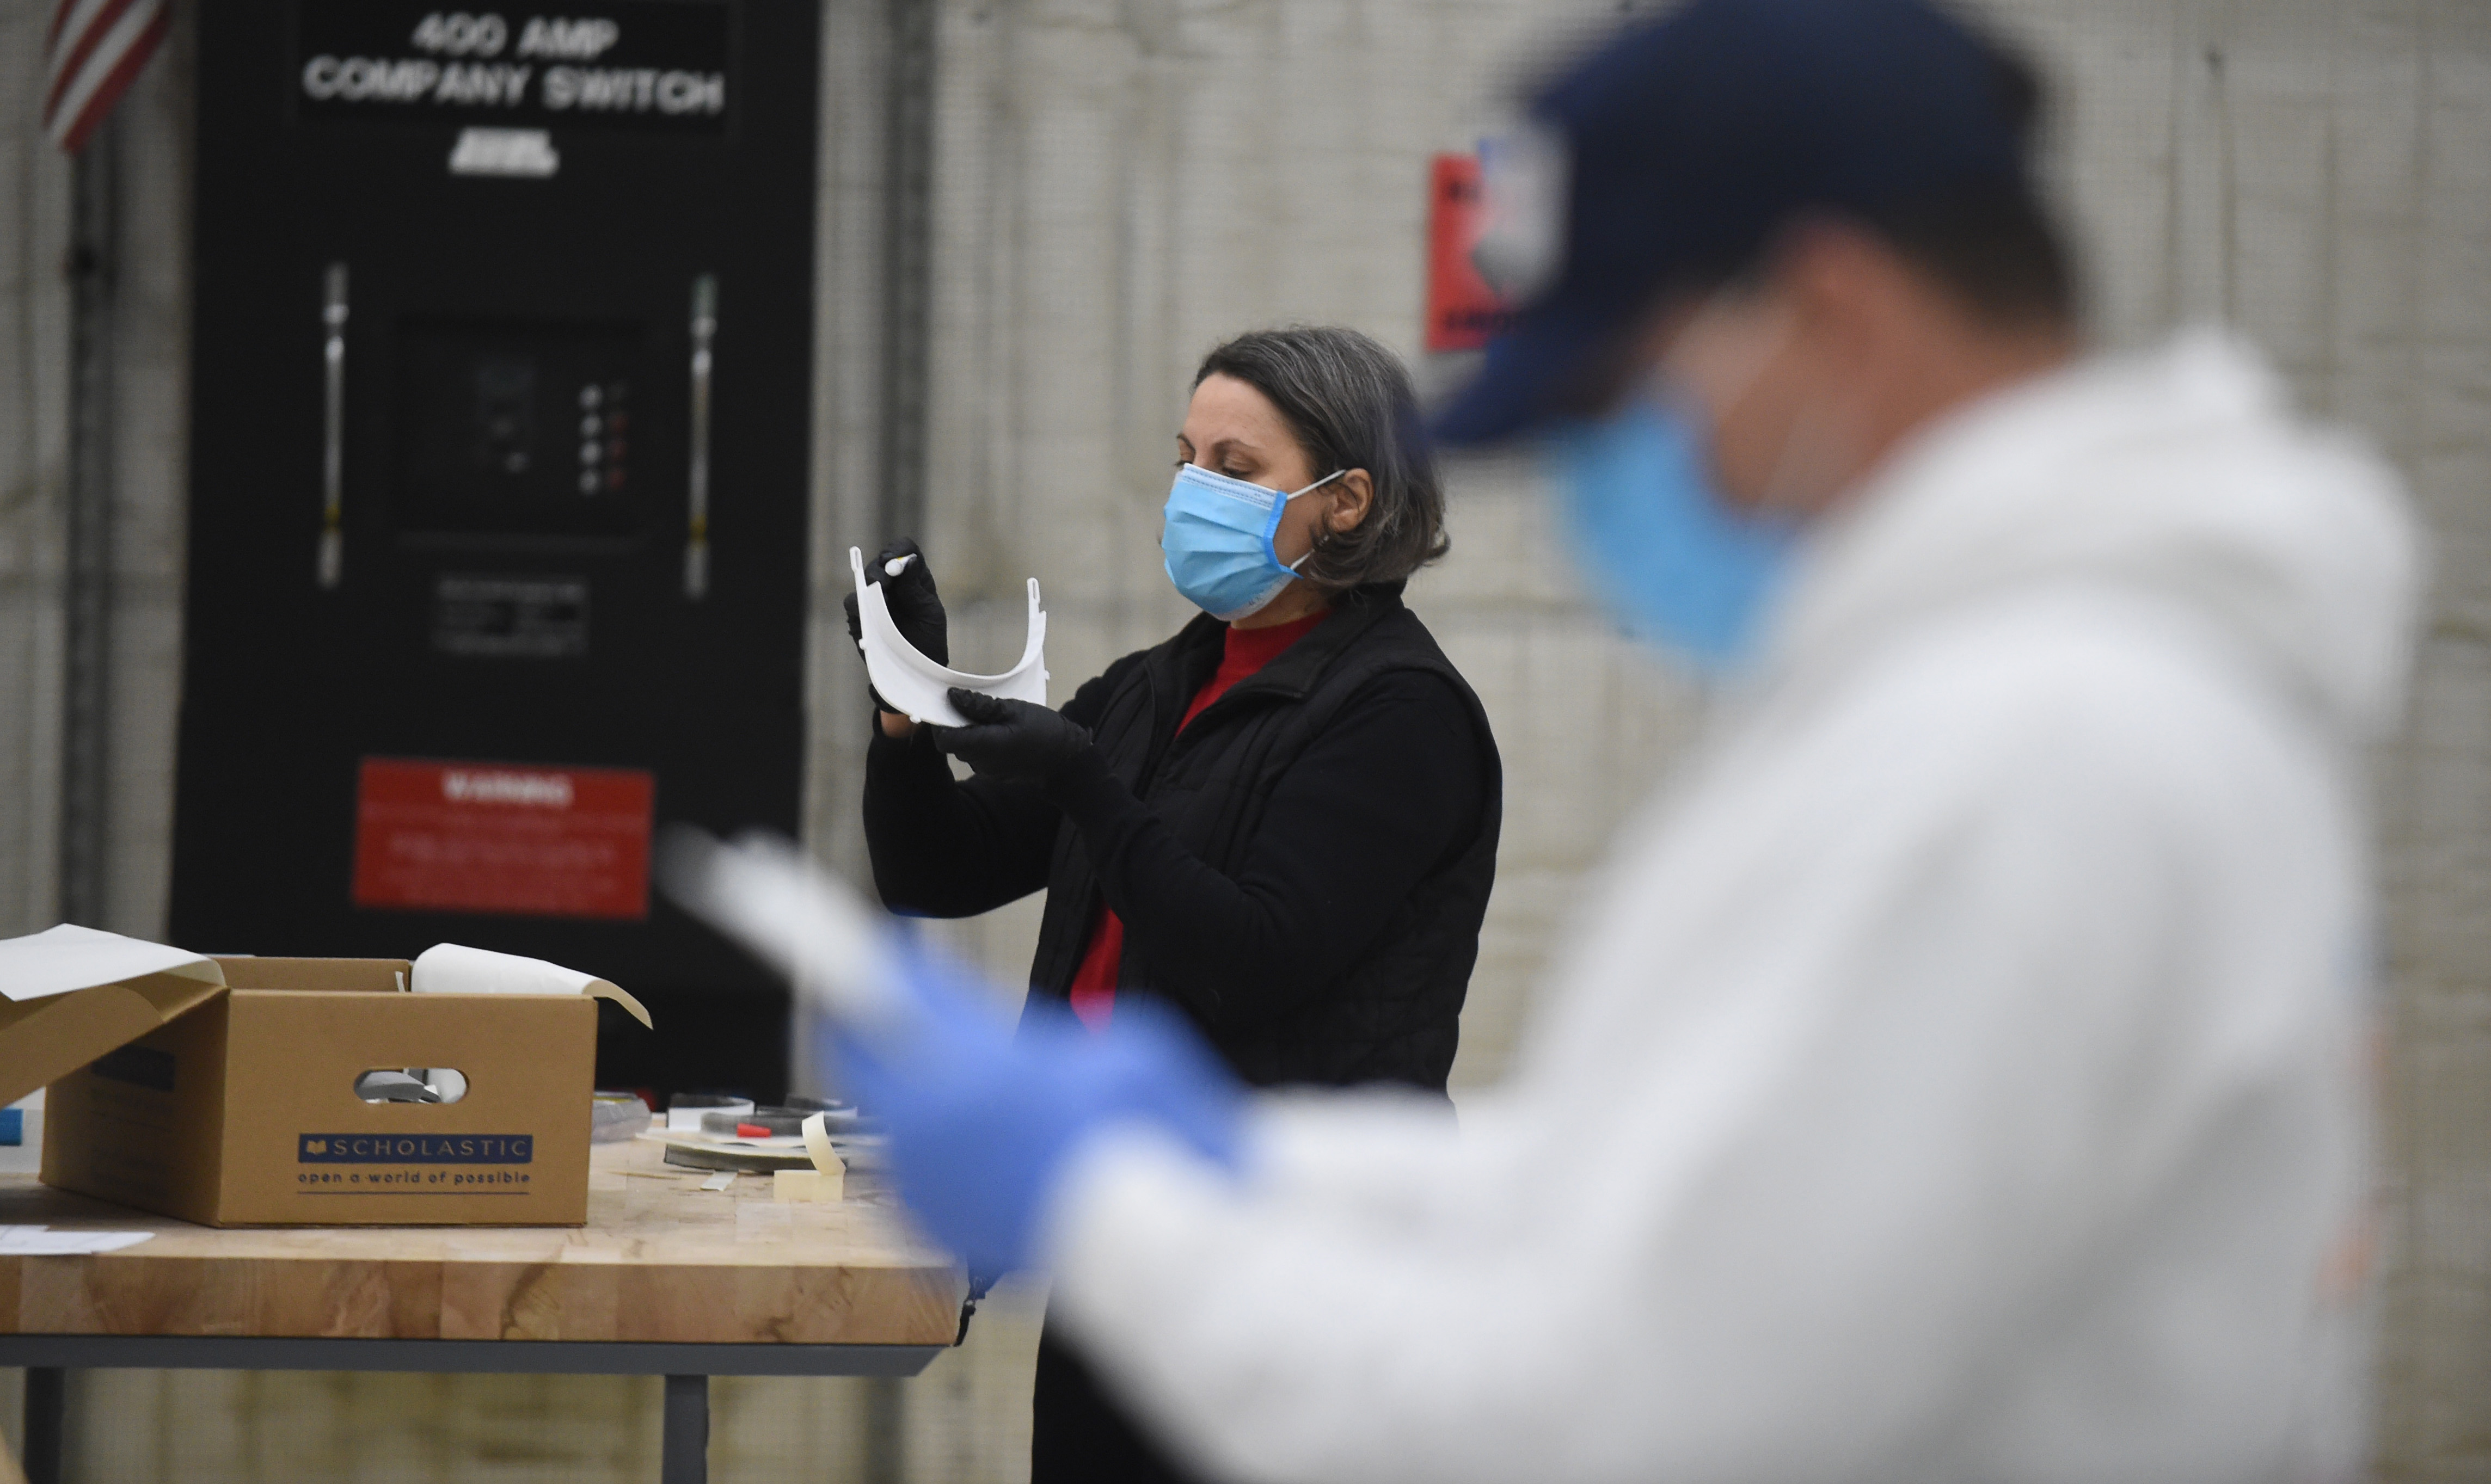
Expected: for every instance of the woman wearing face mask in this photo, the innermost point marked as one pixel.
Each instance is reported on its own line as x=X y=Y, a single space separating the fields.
x=1279 y=823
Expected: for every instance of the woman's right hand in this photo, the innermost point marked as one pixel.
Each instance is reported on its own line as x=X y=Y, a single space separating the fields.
x=916 y=611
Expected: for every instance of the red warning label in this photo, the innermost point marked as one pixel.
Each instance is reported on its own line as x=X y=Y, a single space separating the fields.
x=547 y=842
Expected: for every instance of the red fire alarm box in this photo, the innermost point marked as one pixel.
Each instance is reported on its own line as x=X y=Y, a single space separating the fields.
x=1463 y=312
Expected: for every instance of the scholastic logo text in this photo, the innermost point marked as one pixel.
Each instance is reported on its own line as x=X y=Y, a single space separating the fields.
x=415 y=1148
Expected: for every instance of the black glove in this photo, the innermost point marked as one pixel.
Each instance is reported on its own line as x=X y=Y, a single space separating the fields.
x=916 y=608
x=1012 y=739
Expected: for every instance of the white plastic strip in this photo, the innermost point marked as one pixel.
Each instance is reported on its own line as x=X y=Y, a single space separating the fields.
x=918 y=686
x=794 y=916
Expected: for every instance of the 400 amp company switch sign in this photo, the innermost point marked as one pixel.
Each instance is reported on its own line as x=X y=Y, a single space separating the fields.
x=499 y=430
x=539 y=71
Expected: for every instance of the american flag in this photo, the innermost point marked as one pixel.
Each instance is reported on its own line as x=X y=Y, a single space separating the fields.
x=96 y=49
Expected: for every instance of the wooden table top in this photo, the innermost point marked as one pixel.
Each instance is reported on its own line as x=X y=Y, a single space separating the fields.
x=660 y=1260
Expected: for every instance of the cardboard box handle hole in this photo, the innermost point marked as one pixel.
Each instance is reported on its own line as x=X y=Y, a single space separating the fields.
x=411 y=1084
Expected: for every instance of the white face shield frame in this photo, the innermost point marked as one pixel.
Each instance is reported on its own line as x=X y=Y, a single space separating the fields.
x=918 y=686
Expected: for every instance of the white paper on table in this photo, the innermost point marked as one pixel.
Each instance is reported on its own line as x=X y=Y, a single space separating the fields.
x=69 y=957
x=43 y=1241
x=920 y=688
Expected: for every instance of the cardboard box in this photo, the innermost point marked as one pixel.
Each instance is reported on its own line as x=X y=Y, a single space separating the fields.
x=223 y=1091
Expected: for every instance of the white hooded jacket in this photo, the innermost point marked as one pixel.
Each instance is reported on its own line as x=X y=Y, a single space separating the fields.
x=1959 y=1075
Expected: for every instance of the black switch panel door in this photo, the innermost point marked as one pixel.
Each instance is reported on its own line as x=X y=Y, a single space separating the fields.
x=498 y=463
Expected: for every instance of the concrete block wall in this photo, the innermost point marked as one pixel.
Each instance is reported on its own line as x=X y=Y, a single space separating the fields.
x=151 y=392
x=34 y=328
x=2314 y=174
x=1122 y=183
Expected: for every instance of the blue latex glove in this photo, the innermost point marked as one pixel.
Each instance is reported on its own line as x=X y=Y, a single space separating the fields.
x=982 y=1120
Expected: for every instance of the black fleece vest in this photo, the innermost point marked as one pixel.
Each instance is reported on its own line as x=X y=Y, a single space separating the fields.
x=1392 y=1015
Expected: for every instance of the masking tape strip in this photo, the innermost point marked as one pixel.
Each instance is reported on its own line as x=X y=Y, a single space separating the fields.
x=817 y=1144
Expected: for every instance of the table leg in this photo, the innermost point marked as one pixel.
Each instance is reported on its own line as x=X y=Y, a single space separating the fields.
x=687 y=1431
x=47 y=1399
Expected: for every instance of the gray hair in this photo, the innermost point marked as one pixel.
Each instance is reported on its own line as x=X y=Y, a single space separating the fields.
x=1349 y=403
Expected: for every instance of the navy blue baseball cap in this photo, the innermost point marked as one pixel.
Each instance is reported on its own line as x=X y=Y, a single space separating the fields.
x=1687 y=141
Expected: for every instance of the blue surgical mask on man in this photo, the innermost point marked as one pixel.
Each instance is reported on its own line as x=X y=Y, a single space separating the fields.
x=1218 y=536
x=1665 y=552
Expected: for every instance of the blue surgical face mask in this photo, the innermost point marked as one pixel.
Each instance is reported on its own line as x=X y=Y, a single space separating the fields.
x=1218 y=536
x=1666 y=553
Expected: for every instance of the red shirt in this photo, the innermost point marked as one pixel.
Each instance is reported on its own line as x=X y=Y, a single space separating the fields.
x=1244 y=652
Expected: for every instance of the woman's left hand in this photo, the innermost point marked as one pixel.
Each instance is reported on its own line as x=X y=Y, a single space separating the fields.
x=1012 y=739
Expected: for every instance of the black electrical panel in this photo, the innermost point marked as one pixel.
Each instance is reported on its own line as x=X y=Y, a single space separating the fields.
x=499 y=438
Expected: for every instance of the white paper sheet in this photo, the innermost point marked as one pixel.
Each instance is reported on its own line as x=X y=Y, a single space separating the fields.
x=456 y=969
x=65 y=958
x=43 y=1241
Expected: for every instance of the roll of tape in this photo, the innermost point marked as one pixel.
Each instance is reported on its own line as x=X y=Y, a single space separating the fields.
x=685 y=1112
x=774 y=1123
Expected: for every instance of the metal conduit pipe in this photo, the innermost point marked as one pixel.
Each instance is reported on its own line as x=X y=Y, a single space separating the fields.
x=907 y=263
x=87 y=581
x=907 y=298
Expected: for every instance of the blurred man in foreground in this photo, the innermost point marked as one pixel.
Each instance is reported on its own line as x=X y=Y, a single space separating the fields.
x=1957 y=1075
